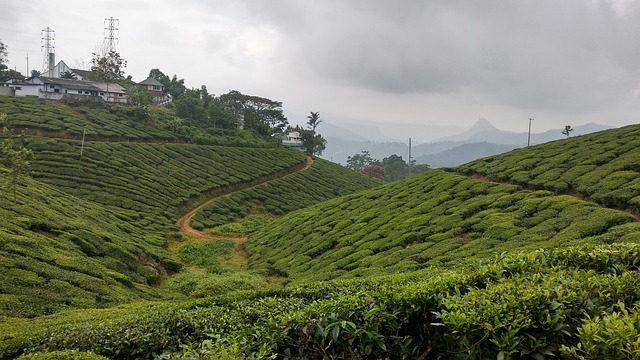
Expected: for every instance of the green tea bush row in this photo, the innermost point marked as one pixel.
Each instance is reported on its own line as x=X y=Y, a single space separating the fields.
x=435 y=218
x=151 y=179
x=322 y=181
x=603 y=166
x=60 y=252
x=538 y=304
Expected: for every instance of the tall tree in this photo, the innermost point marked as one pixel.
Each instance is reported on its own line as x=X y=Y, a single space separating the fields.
x=107 y=67
x=3 y=60
x=567 y=130
x=14 y=156
x=358 y=162
x=314 y=121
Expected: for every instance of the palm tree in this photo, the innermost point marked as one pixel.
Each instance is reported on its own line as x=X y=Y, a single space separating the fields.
x=314 y=121
x=567 y=130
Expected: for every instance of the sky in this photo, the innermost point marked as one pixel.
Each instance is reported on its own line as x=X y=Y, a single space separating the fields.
x=396 y=68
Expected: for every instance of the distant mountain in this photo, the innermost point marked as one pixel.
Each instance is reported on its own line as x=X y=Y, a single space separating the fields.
x=338 y=149
x=449 y=150
x=463 y=154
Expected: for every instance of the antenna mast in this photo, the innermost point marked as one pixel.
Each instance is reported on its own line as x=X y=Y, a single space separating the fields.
x=49 y=49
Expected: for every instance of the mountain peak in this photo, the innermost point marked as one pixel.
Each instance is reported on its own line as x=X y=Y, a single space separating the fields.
x=482 y=125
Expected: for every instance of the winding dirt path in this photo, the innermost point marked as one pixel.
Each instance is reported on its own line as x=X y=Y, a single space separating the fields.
x=185 y=221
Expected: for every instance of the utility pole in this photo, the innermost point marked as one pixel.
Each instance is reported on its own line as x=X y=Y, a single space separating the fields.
x=529 y=138
x=48 y=47
x=409 y=156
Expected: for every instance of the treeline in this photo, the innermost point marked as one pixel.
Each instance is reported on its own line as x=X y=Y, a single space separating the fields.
x=390 y=168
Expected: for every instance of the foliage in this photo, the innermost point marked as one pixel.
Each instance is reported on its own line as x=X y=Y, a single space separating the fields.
x=314 y=144
x=433 y=218
x=567 y=130
x=102 y=122
x=62 y=355
x=172 y=86
x=358 y=162
x=521 y=305
x=3 y=61
x=602 y=166
x=322 y=181
x=140 y=97
x=107 y=66
x=14 y=156
x=375 y=171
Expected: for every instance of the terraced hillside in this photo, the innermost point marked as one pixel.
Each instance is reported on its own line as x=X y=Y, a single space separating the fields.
x=141 y=188
x=58 y=251
x=435 y=218
x=503 y=270
x=324 y=180
x=152 y=180
x=603 y=167
x=97 y=121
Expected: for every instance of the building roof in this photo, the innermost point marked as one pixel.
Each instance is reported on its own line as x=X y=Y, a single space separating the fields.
x=150 y=81
x=84 y=73
x=85 y=85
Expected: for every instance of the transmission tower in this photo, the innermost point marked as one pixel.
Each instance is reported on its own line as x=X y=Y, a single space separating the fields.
x=48 y=48
x=111 y=34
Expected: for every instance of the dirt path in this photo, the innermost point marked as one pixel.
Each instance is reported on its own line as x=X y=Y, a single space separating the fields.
x=185 y=221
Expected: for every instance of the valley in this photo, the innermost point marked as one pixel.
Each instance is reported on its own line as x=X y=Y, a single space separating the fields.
x=156 y=246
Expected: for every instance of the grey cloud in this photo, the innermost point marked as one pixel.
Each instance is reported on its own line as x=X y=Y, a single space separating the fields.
x=572 y=55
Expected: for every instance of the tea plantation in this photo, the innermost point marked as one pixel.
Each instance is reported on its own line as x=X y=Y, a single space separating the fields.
x=502 y=258
x=434 y=218
x=602 y=166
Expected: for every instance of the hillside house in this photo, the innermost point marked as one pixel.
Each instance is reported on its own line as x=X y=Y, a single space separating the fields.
x=57 y=89
x=293 y=140
x=156 y=88
x=61 y=67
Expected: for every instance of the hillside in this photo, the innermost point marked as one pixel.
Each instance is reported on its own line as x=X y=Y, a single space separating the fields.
x=58 y=251
x=464 y=263
x=602 y=167
x=443 y=218
x=433 y=218
x=97 y=121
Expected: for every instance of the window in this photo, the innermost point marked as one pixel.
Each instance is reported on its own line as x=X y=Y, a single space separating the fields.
x=101 y=94
x=56 y=90
x=156 y=87
x=79 y=91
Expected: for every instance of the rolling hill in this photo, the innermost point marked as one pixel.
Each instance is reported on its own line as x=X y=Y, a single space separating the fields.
x=533 y=253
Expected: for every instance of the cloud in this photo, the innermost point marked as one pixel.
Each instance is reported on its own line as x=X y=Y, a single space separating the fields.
x=568 y=56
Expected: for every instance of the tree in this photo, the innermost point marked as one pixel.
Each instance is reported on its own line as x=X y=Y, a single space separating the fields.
x=14 y=156
x=314 y=121
x=107 y=67
x=3 y=60
x=140 y=97
x=375 y=171
x=395 y=168
x=68 y=75
x=191 y=109
x=313 y=144
x=172 y=86
x=567 y=130
x=358 y=162
x=35 y=73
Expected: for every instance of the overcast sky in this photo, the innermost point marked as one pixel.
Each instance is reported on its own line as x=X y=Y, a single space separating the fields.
x=424 y=62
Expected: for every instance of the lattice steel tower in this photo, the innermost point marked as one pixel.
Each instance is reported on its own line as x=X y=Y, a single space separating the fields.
x=111 y=34
x=48 y=48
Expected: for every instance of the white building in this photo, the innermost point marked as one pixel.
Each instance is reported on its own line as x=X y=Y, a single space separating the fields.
x=293 y=140
x=57 y=89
